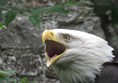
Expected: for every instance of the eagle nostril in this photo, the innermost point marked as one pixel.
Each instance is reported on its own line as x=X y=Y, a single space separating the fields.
x=51 y=33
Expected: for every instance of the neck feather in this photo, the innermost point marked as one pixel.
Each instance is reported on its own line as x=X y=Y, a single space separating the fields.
x=83 y=64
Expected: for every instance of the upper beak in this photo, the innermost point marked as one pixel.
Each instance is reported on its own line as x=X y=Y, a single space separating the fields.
x=48 y=35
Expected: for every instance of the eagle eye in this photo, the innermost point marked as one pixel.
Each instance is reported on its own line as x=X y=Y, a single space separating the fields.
x=66 y=37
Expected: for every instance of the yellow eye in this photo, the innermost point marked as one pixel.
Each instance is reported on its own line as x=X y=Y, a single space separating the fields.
x=66 y=37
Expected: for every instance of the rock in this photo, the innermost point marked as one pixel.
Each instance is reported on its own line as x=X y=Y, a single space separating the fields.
x=1 y=61
x=87 y=22
x=112 y=38
x=24 y=62
x=21 y=50
x=20 y=34
x=79 y=18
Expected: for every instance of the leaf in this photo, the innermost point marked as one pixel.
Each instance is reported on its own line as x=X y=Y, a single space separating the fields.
x=4 y=73
x=60 y=8
x=70 y=3
x=35 y=20
x=5 y=76
x=38 y=11
x=3 y=2
x=57 y=9
x=9 y=17
x=7 y=80
x=2 y=26
x=24 y=80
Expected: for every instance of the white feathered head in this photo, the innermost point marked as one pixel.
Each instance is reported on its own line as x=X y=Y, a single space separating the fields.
x=75 y=56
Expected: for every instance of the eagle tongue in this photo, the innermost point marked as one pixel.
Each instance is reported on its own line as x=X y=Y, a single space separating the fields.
x=54 y=48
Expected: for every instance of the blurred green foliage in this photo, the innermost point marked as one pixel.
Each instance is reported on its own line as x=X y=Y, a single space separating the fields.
x=6 y=76
x=24 y=80
x=3 y=2
x=8 y=13
x=2 y=26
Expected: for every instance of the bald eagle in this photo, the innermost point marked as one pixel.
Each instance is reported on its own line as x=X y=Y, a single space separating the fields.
x=76 y=56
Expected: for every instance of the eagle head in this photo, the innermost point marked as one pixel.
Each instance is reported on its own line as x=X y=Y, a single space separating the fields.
x=75 y=56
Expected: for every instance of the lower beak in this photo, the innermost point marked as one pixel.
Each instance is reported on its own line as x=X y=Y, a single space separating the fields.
x=50 y=61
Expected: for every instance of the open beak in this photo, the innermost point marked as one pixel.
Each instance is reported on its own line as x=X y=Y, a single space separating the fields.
x=53 y=49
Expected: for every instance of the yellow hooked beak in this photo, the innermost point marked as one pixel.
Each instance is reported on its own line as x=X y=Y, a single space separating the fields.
x=49 y=35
